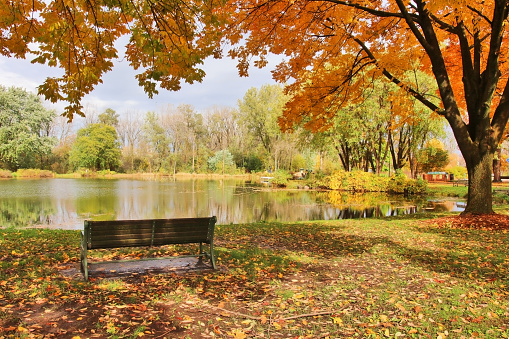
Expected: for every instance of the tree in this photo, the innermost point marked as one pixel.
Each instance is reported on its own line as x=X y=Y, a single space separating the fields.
x=259 y=111
x=433 y=157
x=96 y=148
x=222 y=162
x=25 y=124
x=109 y=117
x=187 y=127
x=168 y=41
x=157 y=140
x=329 y=43
x=130 y=131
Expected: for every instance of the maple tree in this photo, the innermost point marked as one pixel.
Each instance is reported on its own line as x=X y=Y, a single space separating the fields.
x=167 y=41
x=336 y=48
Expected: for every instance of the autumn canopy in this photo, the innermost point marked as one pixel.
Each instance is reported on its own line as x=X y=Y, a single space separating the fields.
x=333 y=51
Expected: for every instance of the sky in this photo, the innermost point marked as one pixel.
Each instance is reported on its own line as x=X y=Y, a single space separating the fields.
x=222 y=86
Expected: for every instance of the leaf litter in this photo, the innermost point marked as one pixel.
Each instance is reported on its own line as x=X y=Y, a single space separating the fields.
x=343 y=279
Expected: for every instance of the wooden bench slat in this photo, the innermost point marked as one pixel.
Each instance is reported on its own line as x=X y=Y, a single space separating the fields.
x=111 y=243
x=114 y=242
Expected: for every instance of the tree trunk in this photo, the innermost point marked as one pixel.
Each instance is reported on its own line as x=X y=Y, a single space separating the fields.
x=497 y=175
x=479 y=184
x=413 y=166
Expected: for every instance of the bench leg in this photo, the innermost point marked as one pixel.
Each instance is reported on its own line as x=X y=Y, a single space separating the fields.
x=208 y=255
x=84 y=263
x=212 y=257
x=200 y=258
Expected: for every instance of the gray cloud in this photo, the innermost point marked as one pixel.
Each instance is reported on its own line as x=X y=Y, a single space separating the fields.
x=120 y=91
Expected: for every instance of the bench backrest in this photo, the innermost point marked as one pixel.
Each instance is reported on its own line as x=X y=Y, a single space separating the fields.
x=148 y=232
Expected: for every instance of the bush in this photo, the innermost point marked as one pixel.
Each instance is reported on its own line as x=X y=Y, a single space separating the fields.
x=280 y=178
x=359 y=181
x=400 y=184
x=253 y=163
x=106 y=172
x=215 y=163
x=356 y=181
x=33 y=173
x=5 y=174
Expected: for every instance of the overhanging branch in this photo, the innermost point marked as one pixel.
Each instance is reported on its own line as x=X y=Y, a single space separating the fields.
x=398 y=82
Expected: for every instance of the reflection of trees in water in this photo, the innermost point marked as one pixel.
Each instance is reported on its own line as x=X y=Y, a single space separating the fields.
x=375 y=212
x=64 y=203
x=367 y=205
x=441 y=206
x=25 y=212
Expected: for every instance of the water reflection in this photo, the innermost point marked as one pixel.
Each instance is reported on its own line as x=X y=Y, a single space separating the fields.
x=65 y=203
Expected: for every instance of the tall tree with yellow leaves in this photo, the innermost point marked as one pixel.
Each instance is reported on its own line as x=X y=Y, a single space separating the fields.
x=334 y=49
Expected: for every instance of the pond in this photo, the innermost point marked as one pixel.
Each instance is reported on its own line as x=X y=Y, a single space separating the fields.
x=65 y=203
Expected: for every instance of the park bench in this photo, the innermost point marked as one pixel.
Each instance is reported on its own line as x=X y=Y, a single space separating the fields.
x=148 y=232
x=463 y=182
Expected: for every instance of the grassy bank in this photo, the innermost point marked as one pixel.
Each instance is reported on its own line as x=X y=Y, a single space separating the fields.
x=442 y=190
x=406 y=277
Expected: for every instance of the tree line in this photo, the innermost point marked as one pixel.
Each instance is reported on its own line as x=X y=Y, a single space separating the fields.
x=370 y=135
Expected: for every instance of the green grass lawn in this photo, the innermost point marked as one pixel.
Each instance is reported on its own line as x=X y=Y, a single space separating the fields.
x=402 y=277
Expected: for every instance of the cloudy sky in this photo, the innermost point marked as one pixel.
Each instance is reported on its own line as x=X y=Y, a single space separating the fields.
x=120 y=91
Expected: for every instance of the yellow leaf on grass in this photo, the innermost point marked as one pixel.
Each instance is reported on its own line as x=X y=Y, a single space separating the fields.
x=238 y=334
x=337 y=320
x=263 y=319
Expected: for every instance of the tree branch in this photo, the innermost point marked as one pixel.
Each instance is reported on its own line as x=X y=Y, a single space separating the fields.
x=411 y=24
x=501 y=116
x=372 y=11
x=476 y=11
x=398 y=82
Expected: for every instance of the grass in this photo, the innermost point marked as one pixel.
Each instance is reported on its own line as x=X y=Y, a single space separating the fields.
x=500 y=192
x=400 y=277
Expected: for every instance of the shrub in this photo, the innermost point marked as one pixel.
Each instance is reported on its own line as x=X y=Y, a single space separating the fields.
x=215 y=163
x=34 y=173
x=356 y=181
x=359 y=181
x=280 y=178
x=4 y=174
x=400 y=184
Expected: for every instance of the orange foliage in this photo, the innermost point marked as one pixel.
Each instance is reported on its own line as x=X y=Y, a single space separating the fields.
x=334 y=49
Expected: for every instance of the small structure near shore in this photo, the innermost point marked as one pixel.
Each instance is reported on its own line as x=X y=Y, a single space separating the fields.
x=437 y=176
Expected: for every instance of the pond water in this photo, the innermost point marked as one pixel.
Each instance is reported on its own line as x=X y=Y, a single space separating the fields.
x=66 y=203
